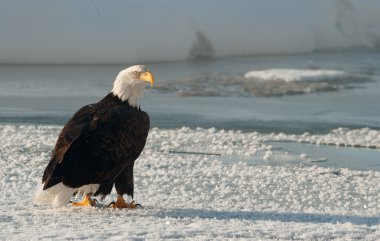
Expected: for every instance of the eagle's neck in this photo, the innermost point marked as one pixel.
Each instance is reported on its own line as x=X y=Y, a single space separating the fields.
x=130 y=90
x=111 y=100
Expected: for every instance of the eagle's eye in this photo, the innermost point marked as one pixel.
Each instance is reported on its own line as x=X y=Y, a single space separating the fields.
x=135 y=73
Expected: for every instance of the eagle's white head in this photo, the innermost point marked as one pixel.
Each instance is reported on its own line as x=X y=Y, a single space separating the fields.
x=130 y=83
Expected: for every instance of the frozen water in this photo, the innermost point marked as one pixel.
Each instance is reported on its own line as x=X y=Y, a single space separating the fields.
x=298 y=81
x=340 y=137
x=51 y=94
x=291 y=75
x=197 y=196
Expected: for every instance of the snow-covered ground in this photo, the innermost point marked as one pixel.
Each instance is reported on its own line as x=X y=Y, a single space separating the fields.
x=146 y=31
x=364 y=137
x=197 y=184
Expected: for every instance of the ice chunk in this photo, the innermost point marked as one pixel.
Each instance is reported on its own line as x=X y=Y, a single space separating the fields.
x=292 y=75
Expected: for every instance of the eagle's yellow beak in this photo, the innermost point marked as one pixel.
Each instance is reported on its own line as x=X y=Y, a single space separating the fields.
x=148 y=77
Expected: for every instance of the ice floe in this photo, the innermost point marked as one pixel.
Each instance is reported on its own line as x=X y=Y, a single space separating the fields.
x=291 y=75
x=197 y=194
x=270 y=82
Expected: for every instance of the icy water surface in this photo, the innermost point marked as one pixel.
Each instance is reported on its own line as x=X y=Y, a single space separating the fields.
x=210 y=93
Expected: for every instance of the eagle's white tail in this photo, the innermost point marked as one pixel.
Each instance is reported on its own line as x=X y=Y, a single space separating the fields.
x=56 y=196
x=59 y=194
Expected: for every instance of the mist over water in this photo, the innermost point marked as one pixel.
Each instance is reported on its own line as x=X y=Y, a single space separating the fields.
x=88 y=32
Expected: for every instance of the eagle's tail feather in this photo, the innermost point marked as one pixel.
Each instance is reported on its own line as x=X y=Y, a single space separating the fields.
x=56 y=196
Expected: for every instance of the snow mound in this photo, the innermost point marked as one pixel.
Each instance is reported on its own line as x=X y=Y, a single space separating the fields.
x=292 y=75
x=198 y=193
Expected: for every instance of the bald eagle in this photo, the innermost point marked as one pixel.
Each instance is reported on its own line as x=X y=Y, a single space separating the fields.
x=98 y=146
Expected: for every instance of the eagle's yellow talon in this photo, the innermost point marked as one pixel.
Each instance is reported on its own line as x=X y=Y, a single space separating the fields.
x=120 y=203
x=87 y=201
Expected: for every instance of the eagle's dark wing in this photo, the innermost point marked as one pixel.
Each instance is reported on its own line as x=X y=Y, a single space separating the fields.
x=77 y=125
x=109 y=141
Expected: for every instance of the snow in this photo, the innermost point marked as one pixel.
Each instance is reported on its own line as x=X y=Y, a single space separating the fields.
x=141 y=31
x=287 y=81
x=364 y=137
x=294 y=75
x=214 y=194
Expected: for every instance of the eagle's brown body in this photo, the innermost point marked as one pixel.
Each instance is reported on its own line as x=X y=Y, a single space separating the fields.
x=99 y=145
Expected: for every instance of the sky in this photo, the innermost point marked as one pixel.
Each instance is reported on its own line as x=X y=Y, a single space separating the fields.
x=72 y=32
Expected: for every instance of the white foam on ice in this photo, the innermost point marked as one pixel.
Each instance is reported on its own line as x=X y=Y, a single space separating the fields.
x=196 y=196
x=295 y=75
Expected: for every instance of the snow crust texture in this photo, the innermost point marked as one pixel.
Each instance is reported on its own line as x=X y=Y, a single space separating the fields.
x=364 y=137
x=195 y=184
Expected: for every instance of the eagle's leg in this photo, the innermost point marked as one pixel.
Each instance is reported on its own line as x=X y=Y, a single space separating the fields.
x=120 y=203
x=124 y=185
x=86 y=201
